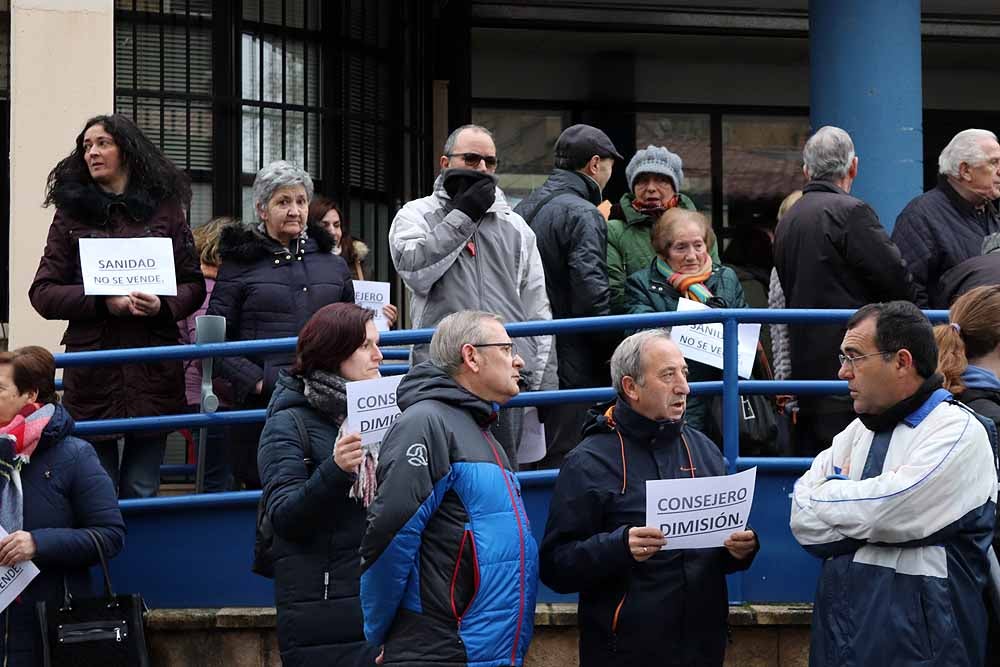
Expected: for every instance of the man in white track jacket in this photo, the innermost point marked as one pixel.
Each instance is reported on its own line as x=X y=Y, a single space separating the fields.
x=901 y=507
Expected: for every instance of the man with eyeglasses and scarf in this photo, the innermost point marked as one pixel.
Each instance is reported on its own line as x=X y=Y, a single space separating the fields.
x=463 y=248
x=901 y=507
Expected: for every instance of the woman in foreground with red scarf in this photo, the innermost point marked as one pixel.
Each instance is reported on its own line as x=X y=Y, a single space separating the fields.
x=683 y=268
x=52 y=490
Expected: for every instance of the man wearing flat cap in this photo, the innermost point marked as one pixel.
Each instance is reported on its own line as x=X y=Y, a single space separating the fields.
x=572 y=240
x=655 y=177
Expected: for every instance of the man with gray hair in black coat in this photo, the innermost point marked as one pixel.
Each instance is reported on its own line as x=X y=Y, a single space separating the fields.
x=831 y=252
x=947 y=224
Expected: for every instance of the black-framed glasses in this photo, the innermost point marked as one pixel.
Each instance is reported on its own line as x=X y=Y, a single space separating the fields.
x=473 y=159
x=509 y=348
x=844 y=359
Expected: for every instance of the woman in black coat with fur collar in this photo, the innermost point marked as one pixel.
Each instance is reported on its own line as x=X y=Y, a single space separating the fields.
x=275 y=274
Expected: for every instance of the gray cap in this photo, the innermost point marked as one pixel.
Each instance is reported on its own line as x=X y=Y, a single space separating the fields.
x=578 y=143
x=655 y=160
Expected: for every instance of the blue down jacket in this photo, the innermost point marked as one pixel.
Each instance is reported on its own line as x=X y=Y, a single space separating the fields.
x=902 y=519
x=449 y=564
x=265 y=290
x=669 y=610
x=65 y=489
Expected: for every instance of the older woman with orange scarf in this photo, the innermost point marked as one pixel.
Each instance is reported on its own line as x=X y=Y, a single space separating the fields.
x=683 y=268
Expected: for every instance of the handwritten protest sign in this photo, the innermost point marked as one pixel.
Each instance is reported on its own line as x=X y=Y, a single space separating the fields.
x=15 y=578
x=373 y=296
x=701 y=512
x=703 y=342
x=371 y=407
x=120 y=266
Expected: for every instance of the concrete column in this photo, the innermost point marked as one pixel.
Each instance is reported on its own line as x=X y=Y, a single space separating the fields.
x=864 y=76
x=61 y=73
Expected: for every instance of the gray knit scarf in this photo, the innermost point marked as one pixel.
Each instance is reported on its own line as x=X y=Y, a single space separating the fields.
x=327 y=394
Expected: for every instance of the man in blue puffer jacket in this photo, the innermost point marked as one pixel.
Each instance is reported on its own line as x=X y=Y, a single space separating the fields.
x=449 y=564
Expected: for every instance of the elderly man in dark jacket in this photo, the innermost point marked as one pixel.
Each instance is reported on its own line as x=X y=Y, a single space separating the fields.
x=831 y=252
x=639 y=605
x=946 y=225
x=572 y=238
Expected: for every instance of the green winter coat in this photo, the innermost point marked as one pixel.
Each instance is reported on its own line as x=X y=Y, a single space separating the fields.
x=630 y=249
x=646 y=291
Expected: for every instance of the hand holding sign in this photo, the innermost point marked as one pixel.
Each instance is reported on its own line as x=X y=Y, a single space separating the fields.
x=16 y=547
x=374 y=296
x=644 y=541
x=15 y=575
x=347 y=452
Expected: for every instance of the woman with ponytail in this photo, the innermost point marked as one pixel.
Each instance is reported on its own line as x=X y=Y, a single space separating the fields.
x=969 y=360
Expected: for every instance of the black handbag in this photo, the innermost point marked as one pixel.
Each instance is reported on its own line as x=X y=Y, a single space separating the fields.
x=106 y=631
x=758 y=415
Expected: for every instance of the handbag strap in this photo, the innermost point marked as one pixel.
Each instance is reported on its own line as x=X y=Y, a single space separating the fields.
x=96 y=538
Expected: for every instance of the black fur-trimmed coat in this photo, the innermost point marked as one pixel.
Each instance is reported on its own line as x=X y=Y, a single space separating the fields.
x=265 y=290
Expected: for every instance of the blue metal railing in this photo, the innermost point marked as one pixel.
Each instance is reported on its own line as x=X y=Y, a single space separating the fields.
x=730 y=387
x=218 y=528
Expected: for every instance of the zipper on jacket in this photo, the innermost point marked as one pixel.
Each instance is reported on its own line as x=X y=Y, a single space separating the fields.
x=479 y=268
x=326 y=585
x=466 y=537
x=520 y=535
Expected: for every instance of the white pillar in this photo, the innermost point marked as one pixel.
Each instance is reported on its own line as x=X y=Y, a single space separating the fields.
x=62 y=63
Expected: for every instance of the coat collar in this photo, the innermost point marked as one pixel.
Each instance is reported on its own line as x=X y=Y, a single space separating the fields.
x=245 y=243
x=642 y=430
x=961 y=204
x=819 y=185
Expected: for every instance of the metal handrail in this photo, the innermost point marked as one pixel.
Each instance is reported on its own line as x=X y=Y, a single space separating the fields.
x=730 y=387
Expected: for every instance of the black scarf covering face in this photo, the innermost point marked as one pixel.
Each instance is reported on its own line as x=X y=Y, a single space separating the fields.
x=327 y=394
x=887 y=420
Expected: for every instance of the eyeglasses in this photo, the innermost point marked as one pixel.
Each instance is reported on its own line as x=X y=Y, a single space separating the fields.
x=473 y=159
x=844 y=359
x=507 y=348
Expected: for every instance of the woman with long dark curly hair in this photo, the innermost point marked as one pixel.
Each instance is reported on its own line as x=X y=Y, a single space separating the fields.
x=117 y=184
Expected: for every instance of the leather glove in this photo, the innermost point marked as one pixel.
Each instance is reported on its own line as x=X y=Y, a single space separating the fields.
x=472 y=192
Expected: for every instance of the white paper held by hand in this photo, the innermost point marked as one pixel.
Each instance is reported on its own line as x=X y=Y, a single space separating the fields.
x=15 y=578
x=120 y=266
x=371 y=407
x=703 y=342
x=373 y=296
x=702 y=512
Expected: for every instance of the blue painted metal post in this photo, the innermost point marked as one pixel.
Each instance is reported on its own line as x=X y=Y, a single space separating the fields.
x=864 y=76
x=730 y=392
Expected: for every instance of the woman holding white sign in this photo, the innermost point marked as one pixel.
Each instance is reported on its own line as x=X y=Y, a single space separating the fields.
x=683 y=268
x=314 y=495
x=52 y=492
x=116 y=184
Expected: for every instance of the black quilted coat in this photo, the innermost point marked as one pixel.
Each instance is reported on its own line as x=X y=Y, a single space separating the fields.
x=265 y=290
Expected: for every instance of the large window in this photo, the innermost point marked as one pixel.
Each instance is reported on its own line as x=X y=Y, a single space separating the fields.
x=525 y=141
x=163 y=81
x=281 y=70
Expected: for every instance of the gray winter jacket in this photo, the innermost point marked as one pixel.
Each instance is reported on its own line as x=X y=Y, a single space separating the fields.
x=450 y=263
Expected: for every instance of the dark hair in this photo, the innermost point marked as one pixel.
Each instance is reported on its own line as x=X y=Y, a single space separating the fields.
x=149 y=170
x=901 y=325
x=34 y=368
x=319 y=207
x=977 y=315
x=330 y=336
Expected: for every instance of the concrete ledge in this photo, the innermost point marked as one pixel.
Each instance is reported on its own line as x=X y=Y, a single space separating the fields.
x=761 y=634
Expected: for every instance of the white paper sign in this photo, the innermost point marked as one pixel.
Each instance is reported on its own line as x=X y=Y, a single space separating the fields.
x=373 y=296
x=120 y=266
x=15 y=578
x=371 y=407
x=703 y=342
x=700 y=512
